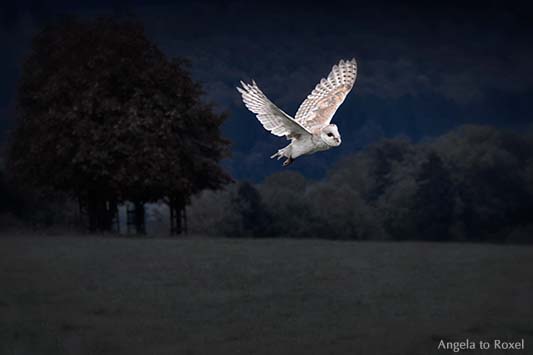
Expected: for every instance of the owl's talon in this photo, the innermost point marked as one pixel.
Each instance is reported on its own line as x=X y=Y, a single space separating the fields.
x=275 y=155
x=288 y=161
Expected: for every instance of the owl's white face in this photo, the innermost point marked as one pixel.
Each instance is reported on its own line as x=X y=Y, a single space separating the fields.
x=330 y=135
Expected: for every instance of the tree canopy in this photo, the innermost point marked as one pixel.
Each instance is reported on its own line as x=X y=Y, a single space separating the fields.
x=104 y=115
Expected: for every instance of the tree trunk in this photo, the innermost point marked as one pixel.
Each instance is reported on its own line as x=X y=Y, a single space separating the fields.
x=185 y=225
x=175 y=221
x=101 y=211
x=139 y=218
x=93 y=211
x=178 y=216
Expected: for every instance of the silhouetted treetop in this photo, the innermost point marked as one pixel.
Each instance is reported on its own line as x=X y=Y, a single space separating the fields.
x=101 y=110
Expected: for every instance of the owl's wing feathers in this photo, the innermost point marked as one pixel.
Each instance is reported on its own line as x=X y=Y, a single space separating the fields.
x=271 y=117
x=327 y=96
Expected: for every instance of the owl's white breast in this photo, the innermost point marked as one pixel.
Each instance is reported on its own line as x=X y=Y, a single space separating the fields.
x=307 y=145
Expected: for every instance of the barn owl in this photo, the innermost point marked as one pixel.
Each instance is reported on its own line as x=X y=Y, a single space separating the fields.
x=310 y=131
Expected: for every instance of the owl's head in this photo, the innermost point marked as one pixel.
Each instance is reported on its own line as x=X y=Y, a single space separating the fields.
x=330 y=135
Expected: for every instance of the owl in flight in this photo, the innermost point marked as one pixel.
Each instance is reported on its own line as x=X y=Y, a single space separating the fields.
x=310 y=131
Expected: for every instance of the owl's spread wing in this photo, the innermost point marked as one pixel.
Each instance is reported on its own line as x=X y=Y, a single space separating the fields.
x=271 y=117
x=327 y=96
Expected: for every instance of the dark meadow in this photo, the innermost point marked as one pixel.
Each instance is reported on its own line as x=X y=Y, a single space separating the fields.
x=140 y=212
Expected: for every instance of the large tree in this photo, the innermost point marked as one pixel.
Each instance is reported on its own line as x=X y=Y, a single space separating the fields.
x=104 y=115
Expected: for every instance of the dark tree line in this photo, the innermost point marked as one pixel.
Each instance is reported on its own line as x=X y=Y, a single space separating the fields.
x=105 y=117
x=474 y=183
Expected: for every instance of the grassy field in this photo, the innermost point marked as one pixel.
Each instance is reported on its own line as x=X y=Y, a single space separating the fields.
x=229 y=296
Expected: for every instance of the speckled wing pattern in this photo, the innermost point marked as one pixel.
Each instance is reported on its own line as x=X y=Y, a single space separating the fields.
x=271 y=117
x=327 y=96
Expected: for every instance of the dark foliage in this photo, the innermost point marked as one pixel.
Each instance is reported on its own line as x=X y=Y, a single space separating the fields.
x=248 y=204
x=105 y=116
x=474 y=183
x=433 y=200
x=11 y=200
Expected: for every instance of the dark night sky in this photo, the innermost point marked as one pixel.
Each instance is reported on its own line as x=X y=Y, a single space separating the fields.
x=422 y=70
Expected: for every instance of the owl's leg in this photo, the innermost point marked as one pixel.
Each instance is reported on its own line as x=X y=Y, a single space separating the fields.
x=288 y=161
x=278 y=154
x=284 y=153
